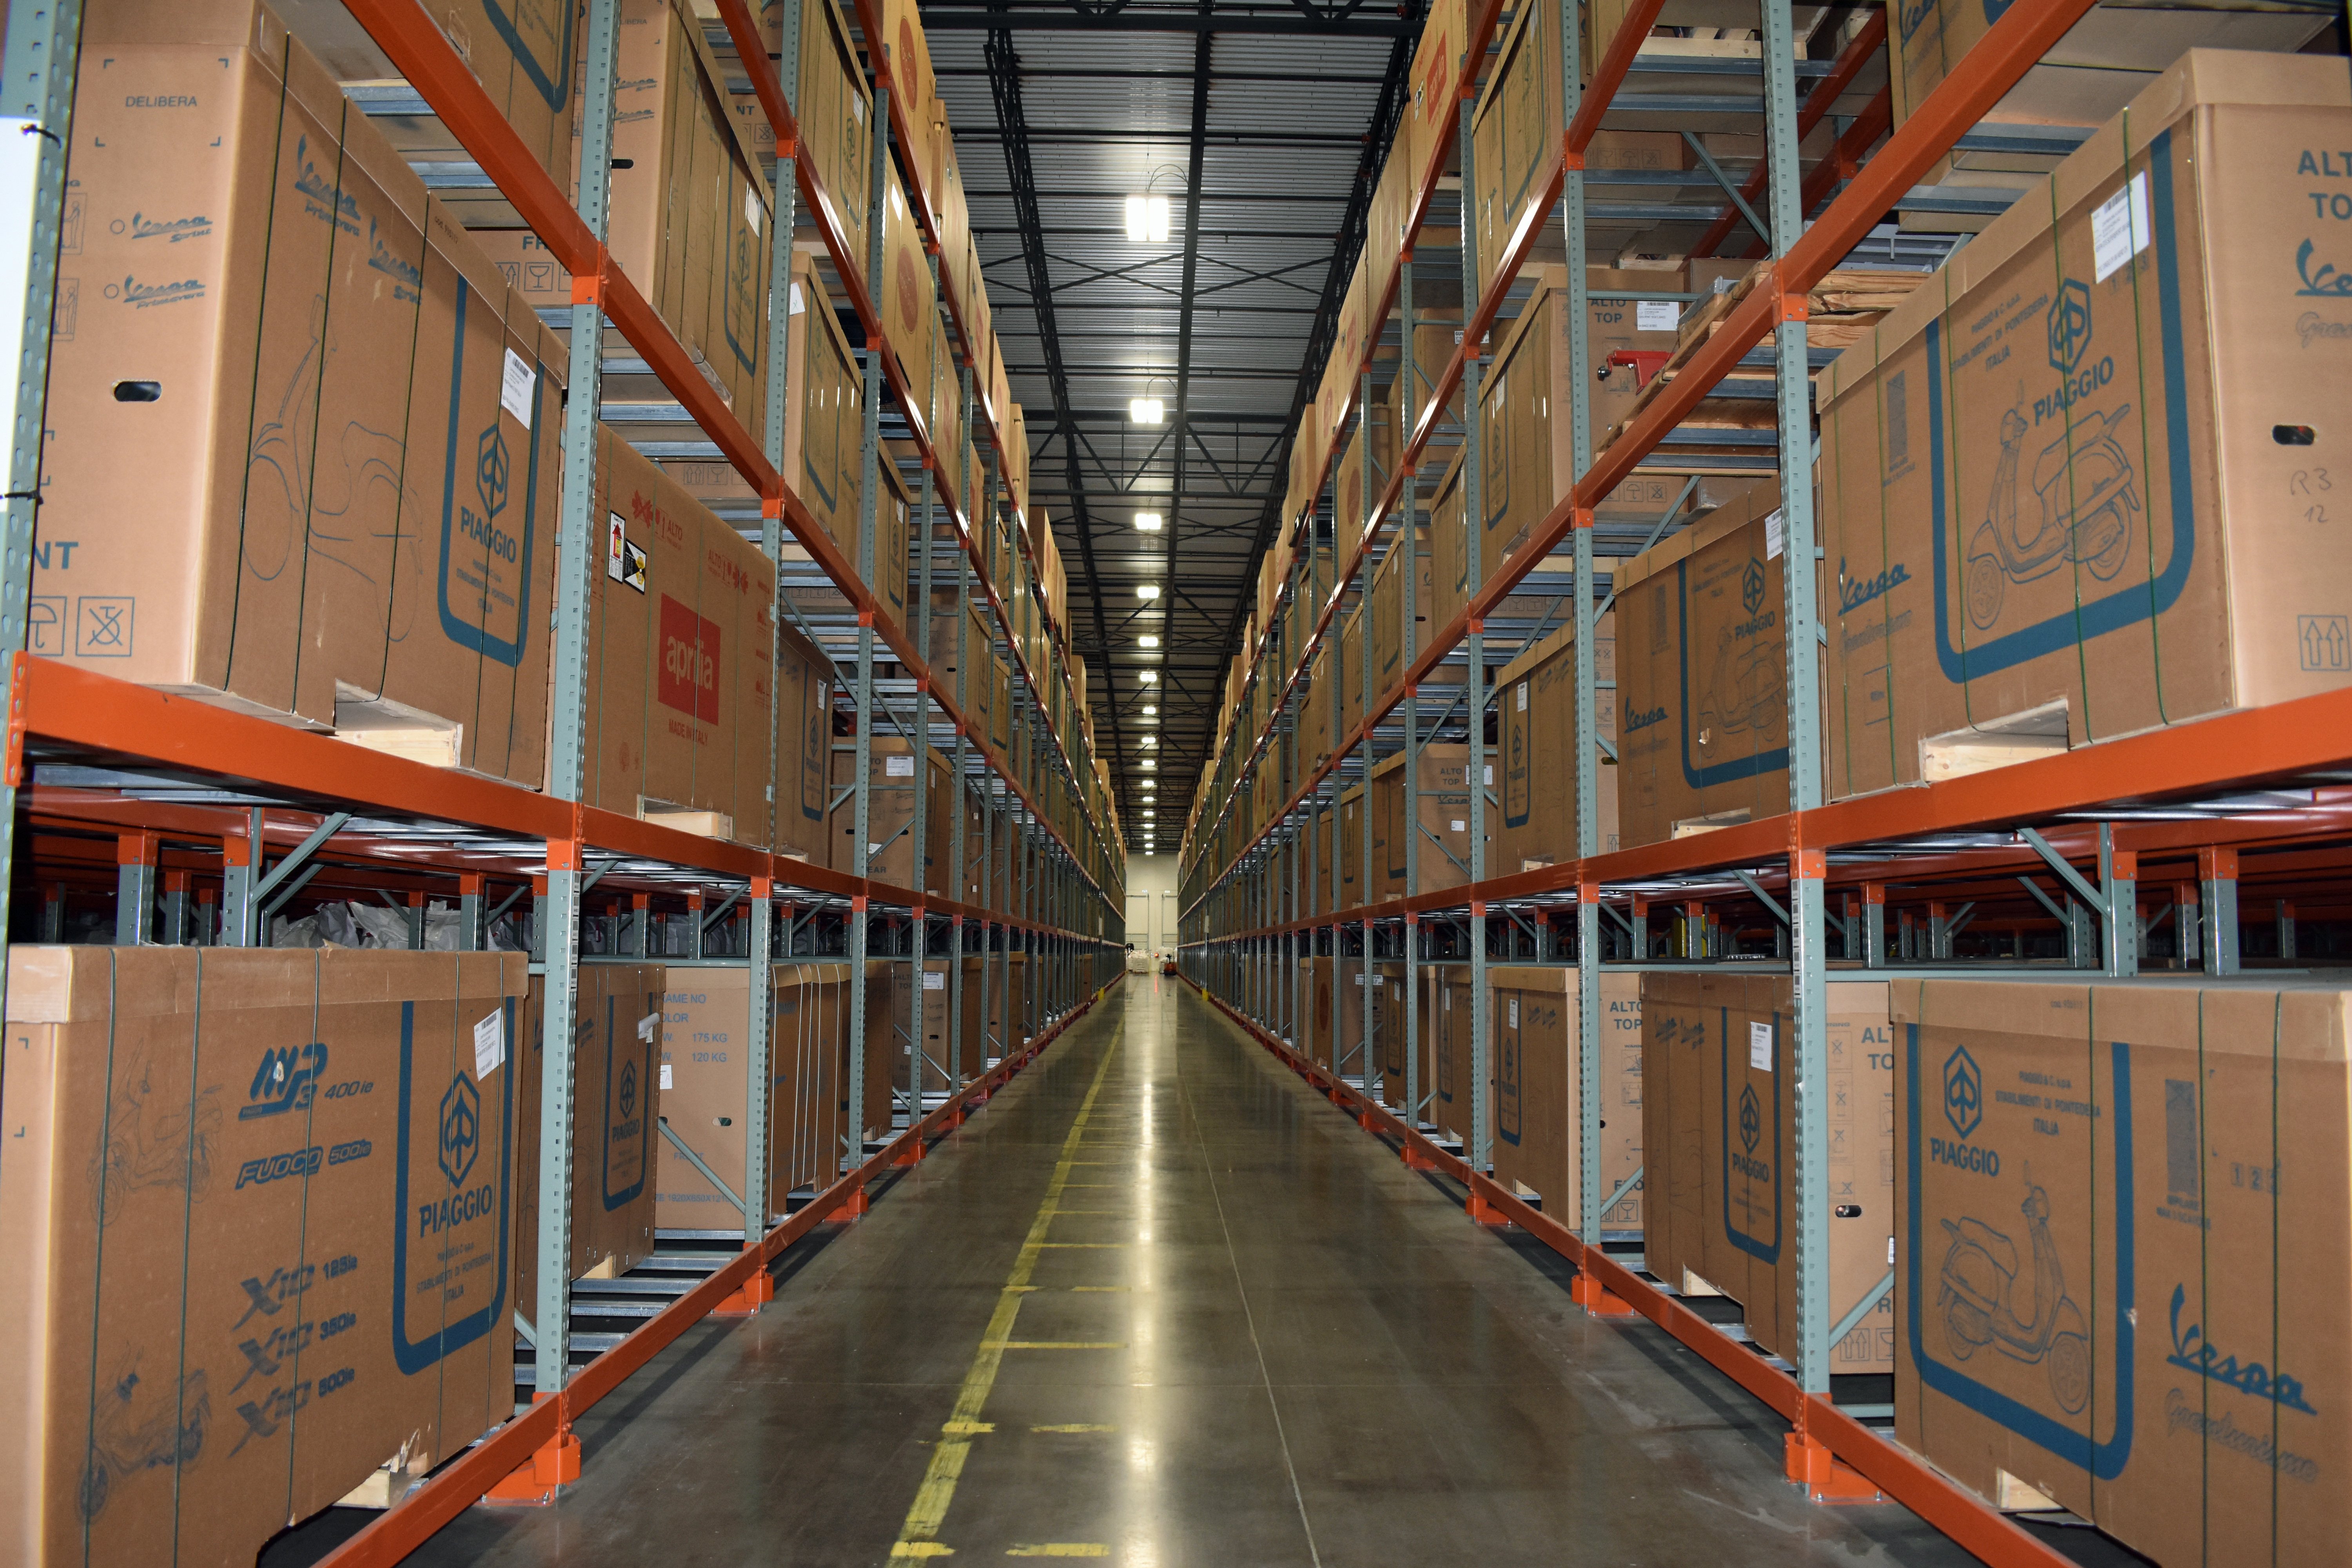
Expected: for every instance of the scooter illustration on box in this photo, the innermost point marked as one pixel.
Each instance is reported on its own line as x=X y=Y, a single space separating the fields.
x=1978 y=1294
x=2080 y=511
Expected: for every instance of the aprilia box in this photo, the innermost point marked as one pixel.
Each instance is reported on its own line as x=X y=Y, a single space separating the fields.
x=1536 y=695
x=256 y=1241
x=1537 y=1116
x=680 y=668
x=1702 y=666
x=302 y=439
x=616 y=1046
x=1718 y=1134
x=2120 y=1259
x=2075 y=487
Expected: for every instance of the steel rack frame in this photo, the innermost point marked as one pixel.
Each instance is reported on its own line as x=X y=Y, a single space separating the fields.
x=2244 y=797
x=197 y=788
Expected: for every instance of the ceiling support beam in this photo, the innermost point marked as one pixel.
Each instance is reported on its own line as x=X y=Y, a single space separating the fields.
x=1195 y=170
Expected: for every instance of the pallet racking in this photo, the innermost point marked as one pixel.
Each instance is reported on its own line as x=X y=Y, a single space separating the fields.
x=160 y=802
x=2245 y=795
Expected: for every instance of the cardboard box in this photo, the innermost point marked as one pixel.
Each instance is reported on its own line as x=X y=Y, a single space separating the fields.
x=969 y=1055
x=1718 y=1116
x=907 y=298
x=2089 y=509
x=706 y=1013
x=1424 y=134
x=824 y=419
x=1537 y=1112
x=1352 y=849
x=245 y=1183
x=257 y=299
x=917 y=87
x=835 y=111
x=1443 y=799
x=1340 y=1046
x=803 y=721
x=1389 y=658
x=1536 y=758
x=691 y=219
x=890 y=816
x=682 y=672
x=1703 y=737
x=2122 y=1223
x=617 y=1113
x=1446 y=991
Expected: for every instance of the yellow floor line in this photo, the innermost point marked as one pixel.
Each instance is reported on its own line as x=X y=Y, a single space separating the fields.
x=1074 y=1426
x=919 y=1536
x=1061 y=1549
x=1062 y=1345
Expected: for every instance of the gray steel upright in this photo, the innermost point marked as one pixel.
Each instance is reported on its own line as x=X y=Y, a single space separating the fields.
x=1364 y=495
x=758 y=1034
x=42 y=54
x=1474 y=525
x=568 y=720
x=920 y=742
x=1585 y=733
x=958 y=849
x=869 y=498
x=1407 y=547
x=1808 y=923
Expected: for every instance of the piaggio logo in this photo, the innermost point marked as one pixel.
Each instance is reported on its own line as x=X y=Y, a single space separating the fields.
x=688 y=676
x=492 y=467
x=1751 y=1119
x=2070 y=325
x=287 y=1079
x=1751 y=587
x=629 y=1096
x=1963 y=1092
x=461 y=1128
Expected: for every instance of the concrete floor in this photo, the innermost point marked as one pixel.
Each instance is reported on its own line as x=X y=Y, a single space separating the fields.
x=1158 y=1304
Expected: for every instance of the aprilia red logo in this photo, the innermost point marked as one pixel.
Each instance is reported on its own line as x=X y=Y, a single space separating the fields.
x=689 y=661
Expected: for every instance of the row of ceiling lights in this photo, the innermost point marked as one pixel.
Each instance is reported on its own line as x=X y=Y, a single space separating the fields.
x=1147 y=224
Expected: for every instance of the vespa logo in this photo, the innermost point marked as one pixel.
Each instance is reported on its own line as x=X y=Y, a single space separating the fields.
x=2325 y=283
x=287 y=1079
x=1751 y=1119
x=2191 y=1350
x=461 y=1129
x=1751 y=587
x=1855 y=593
x=2070 y=325
x=1963 y=1092
x=492 y=465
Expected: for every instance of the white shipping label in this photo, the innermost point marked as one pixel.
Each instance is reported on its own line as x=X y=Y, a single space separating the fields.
x=1460 y=825
x=1760 y=1046
x=2119 y=228
x=647 y=1026
x=1515 y=1012
x=799 y=305
x=1523 y=697
x=516 y=387
x=897 y=767
x=491 y=1044
x=1490 y=775
x=752 y=208
x=1774 y=537
x=934 y=980
x=1656 y=315
x=666 y=1083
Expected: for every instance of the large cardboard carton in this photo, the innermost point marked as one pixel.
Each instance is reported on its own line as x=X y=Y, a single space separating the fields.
x=1341 y=1047
x=616 y=1049
x=1441 y=841
x=803 y=771
x=835 y=111
x=691 y=221
x=890 y=816
x=1352 y=892
x=966 y=1055
x=824 y=420
x=2122 y=1223
x=1537 y=1115
x=1445 y=992
x=1719 y=1113
x=907 y=298
x=810 y=1032
x=2074 y=489
x=1702 y=666
x=344 y=425
x=254 y=1244
x=1424 y=134
x=1535 y=763
x=680 y=638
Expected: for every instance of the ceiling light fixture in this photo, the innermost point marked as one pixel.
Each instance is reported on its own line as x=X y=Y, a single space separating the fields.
x=1148 y=521
x=1144 y=410
x=1147 y=640
x=1146 y=590
x=1147 y=676
x=1149 y=710
x=1147 y=219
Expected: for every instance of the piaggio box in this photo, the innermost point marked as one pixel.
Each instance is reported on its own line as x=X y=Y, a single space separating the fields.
x=255 y=1246
x=341 y=513
x=616 y=1049
x=1718 y=1114
x=2074 y=488
x=691 y=220
x=704 y=1087
x=834 y=111
x=1701 y=669
x=2120 y=1248
x=1535 y=823
x=1537 y=1116
x=681 y=625
x=1445 y=992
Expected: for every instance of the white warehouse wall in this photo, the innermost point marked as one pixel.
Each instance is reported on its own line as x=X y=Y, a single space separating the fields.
x=1151 y=904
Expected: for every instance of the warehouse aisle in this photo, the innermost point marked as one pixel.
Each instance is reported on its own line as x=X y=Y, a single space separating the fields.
x=1161 y=1305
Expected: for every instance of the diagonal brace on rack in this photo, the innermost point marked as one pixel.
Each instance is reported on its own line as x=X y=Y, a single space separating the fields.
x=1771 y=904
x=335 y=823
x=1739 y=198
x=2066 y=873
